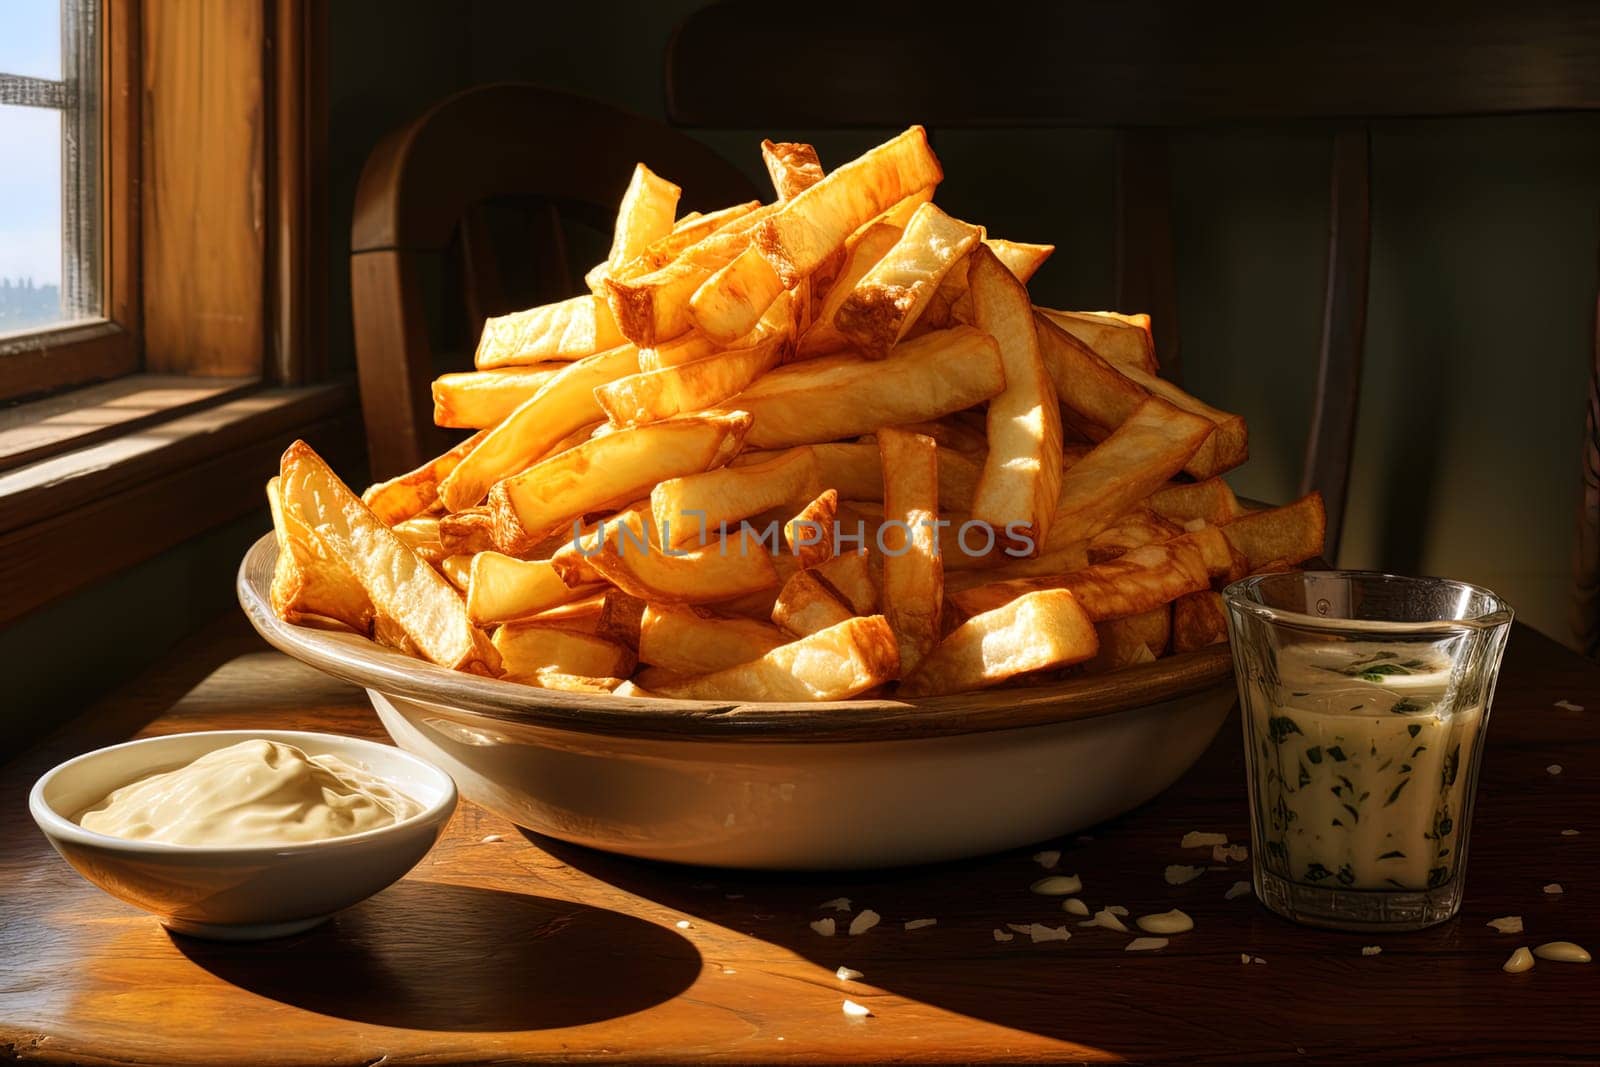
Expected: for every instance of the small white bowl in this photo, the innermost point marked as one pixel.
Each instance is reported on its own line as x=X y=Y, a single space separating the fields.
x=239 y=892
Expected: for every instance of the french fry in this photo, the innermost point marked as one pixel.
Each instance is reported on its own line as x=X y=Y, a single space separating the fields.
x=1133 y=639
x=692 y=507
x=630 y=526
x=856 y=472
x=562 y=405
x=842 y=396
x=457 y=569
x=687 y=387
x=401 y=586
x=646 y=216
x=1037 y=631
x=793 y=167
x=1144 y=452
x=574 y=683
x=1226 y=448
x=824 y=335
x=1124 y=343
x=416 y=491
x=688 y=233
x=607 y=471
x=502 y=589
x=580 y=616
x=1211 y=501
x=817 y=222
x=1141 y=526
x=833 y=664
x=850 y=575
x=477 y=400
x=690 y=642
x=1290 y=534
x=421 y=535
x=569 y=330
x=1198 y=620
x=1055 y=561
x=621 y=618
x=886 y=302
x=526 y=652
x=730 y=302
x=1021 y=477
x=809 y=534
x=721 y=571
x=913 y=570
x=465 y=532
x=310 y=587
x=1088 y=384
x=805 y=605
x=1224 y=563
x=1022 y=260
x=1141 y=580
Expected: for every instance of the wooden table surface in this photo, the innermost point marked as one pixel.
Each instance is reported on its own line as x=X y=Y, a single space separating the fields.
x=526 y=948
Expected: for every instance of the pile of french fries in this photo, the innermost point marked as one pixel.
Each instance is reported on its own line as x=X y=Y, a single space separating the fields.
x=814 y=449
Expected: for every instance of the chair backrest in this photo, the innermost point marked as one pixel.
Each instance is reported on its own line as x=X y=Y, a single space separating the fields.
x=424 y=190
x=1144 y=67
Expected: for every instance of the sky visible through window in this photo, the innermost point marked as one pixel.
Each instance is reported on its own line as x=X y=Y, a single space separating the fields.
x=30 y=170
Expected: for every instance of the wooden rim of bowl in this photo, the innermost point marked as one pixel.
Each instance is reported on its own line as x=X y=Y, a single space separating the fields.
x=358 y=660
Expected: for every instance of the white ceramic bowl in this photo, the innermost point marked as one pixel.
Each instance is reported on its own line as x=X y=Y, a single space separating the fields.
x=245 y=892
x=855 y=784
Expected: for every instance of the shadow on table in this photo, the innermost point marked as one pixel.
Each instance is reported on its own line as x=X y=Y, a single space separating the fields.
x=426 y=956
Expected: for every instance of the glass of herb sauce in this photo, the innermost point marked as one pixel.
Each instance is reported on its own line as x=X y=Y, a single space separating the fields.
x=1365 y=699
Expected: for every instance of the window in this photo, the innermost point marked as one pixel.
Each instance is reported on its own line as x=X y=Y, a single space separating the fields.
x=49 y=204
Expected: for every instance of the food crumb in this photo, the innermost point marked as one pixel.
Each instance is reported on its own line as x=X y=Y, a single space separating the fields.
x=1057 y=885
x=1569 y=833
x=1166 y=922
x=837 y=904
x=1202 y=839
x=1371 y=950
x=1553 y=769
x=1521 y=960
x=825 y=927
x=1554 y=889
x=729 y=970
x=1107 y=918
x=1048 y=858
x=918 y=924
x=1257 y=959
x=856 y=1011
x=1179 y=873
x=1237 y=889
x=1117 y=909
x=1567 y=705
x=1508 y=924
x=1017 y=928
x=685 y=924
x=1040 y=932
x=1145 y=944
x=1074 y=906
x=1001 y=935
x=864 y=922
x=1562 y=952
x=1244 y=957
x=489 y=839
x=1229 y=853
x=847 y=974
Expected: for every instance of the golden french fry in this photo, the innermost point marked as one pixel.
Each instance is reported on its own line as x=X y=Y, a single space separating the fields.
x=886 y=302
x=501 y=588
x=687 y=387
x=1088 y=384
x=691 y=642
x=1036 y=631
x=465 y=533
x=688 y=233
x=526 y=652
x=422 y=535
x=850 y=575
x=458 y=569
x=1124 y=343
x=1198 y=620
x=1290 y=534
x=1138 y=581
x=564 y=404
x=477 y=400
x=833 y=664
x=401 y=586
x=569 y=330
x=620 y=618
x=1150 y=447
x=842 y=395
x=574 y=683
x=608 y=471
x=730 y=303
x=824 y=335
x=580 y=616
x=1223 y=562
x=1211 y=500
x=692 y=508
x=793 y=167
x=953 y=301
x=1226 y=448
x=630 y=525
x=805 y=605
x=808 y=535
x=417 y=491
x=855 y=470
x=1133 y=639
x=1064 y=560
x=646 y=216
x=817 y=222
x=723 y=570
x=1141 y=526
x=310 y=586
x=913 y=571
x=1021 y=477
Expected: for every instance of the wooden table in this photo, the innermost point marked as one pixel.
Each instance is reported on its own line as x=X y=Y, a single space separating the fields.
x=502 y=946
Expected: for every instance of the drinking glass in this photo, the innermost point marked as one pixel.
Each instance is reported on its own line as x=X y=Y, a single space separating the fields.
x=1365 y=699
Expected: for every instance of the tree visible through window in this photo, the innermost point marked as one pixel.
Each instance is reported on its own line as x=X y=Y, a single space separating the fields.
x=50 y=226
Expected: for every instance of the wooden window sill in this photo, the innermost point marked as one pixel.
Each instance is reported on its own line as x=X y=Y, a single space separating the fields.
x=132 y=488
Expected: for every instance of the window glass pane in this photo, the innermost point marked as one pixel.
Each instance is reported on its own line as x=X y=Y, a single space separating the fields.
x=30 y=38
x=30 y=217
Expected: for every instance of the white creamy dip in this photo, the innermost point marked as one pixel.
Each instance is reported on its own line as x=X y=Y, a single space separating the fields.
x=253 y=793
x=1361 y=754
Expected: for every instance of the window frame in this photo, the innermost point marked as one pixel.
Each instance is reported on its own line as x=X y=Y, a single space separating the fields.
x=108 y=346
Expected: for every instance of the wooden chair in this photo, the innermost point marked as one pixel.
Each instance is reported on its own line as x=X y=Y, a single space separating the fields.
x=423 y=195
x=1144 y=67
